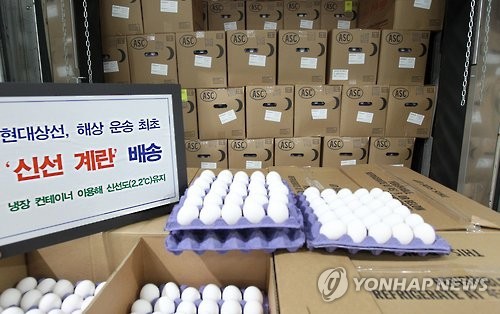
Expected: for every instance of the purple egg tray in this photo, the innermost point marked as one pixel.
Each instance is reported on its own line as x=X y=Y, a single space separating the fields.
x=316 y=240
x=222 y=241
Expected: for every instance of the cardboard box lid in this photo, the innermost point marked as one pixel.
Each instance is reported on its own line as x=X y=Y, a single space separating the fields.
x=12 y=269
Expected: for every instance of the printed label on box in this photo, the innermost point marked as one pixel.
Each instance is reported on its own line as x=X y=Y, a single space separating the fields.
x=230 y=26
x=270 y=25
x=308 y=63
x=476 y=117
x=200 y=35
x=415 y=118
x=208 y=165
x=119 y=11
x=271 y=115
x=422 y=4
x=356 y=58
x=253 y=164
x=365 y=117
x=406 y=62
x=227 y=116
x=168 y=6
x=340 y=74
x=343 y=24
x=159 y=69
x=307 y=24
x=257 y=60
x=203 y=61
x=348 y=6
x=350 y=162
x=110 y=66
x=319 y=114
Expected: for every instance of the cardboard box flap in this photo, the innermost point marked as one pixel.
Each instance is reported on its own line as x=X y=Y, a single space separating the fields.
x=333 y=178
x=298 y=178
x=13 y=268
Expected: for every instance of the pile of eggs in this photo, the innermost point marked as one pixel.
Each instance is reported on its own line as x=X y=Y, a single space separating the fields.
x=48 y=296
x=210 y=299
x=230 y=197
x=364 y=213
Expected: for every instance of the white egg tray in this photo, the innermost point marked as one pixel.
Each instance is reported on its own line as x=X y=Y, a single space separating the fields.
x=315 y=240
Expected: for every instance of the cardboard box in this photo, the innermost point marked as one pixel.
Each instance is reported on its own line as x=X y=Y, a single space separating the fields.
x=403 y=57
x=302 y=14
x=251 y=57
x=115 y=60
x=120 y=17
x=226 y=15
x=206 y=154
x=205 y=15
x=162 y=16
x=269 y=111
x=363 y=110
x=297 y=151
x=317 y=110
x=152 y=58
x=339 y=14
x=150 y=262
x=302 y=56
x=189 y=114
x=221 y=112
x=264 y=15
x=353 y=56
x=345 y=151
x=201 y=58
x=396 y=151
x=251 y=154
x=410 y=111
x=402 y=14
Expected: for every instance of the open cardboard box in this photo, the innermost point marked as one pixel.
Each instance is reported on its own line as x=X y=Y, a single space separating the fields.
x=150 y=262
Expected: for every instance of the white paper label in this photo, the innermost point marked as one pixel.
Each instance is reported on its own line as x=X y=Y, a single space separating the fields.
x=203 y=61
x=257 y=60
x=110 y=66
x=344 y=24
x=406 y=63
x=398 y=165
x=227 y=116
x=422 y=4
x=476 y=117
x=270 y=25
x=308 y=63
x=356 y=58
x=274 y=116
x=208 y=165
x=159 y=69
x=365 y=117
x=415 y=118
x=484 y=163
x=319 y=114
x=119 y=11
x=340 y=74
x=350 y=162
x=253 y=164
x=200 y=34
x=230 y=26
x=169 y=6
x=307 y=24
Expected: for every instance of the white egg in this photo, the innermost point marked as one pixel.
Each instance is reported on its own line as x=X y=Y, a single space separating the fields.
x=208 y=307
x=354 y=204
x=208 y=174
x=253 y=211
x=414 y=220
x=13 y=310
x=72 y=303
x=190 y=294
x=403 y=233
x=278 y=198
x=26 y=284
x=76 y=312
x=362 y=212
x=348 y=198
x=238 y=189
x=37 y=311
x=278 y=212
x=253 y=307
x=225 y=173
x=149 y=292
x=212 y=199
x=425 y=232
x=278 y=188
x=257 y=175
x=344 y=193
x=56 y=311
x=333 y=229
x=46 y=285
x=231 y=213
x=385 y=197
x=356 y=230
x=331 y=198
x=311 y=192
x=394 y=203
x=317 y=202
x=211 y=292
x=273 y=176
x=376 y=192
x=217 y=189
x=370 y=220
x=85 y=288
x=392 y=220
x=325 y=217
x=203 y=183
x=171 y=290
x=253 y=293
x=335 y=204
x=232 y=293
x=86 y=302
x=99 y=287
x=164 y=305
x=257 y=189
x=328 y=192
x=233 y=198
x=375 y=204
x=241 y=176
x=359 y=193
x=383 y=211
x=231 y=307
x=342 y=211
x=10 y=297
x=187 y=214
x=186 y=307
x=195 y=190
x=50 y=301
x=209 y=214
x=259 y=198
x=141 y=306
x=30 y=299
x=366 y=199
x=402 y=211
x=380 y=232
x=193 y=200
x=320 y=209
x=348 y=218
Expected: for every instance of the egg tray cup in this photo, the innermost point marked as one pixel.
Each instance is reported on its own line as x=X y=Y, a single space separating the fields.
x=245 y=240
x=315 y=240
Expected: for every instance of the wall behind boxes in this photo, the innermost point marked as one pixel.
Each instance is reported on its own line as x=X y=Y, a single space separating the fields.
x=296 y=75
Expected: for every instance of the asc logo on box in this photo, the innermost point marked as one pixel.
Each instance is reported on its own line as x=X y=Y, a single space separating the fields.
x=193 y=146
x=239 y=39
x=255 y=7
x=187 y=41
x=291 y=38
x=208 y=95
x=335 y=143
x=382 y=143
x=239 y=145
x=307 y=92
x=139 y=43
x=354 y=93
x=394 y=38
x=344 y=38
x=258 y=93
x=286 y=144
x=400 y=93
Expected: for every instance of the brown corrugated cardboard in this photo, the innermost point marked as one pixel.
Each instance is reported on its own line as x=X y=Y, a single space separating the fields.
x=264 y=15
x=221 y=113
x=297 y=151
x=152 y=58
x=251 y=154
x=269 y=111
x=115 y=60
x=189 y=114
x=363 y=110
x=201 y=58
x=251 y=57
x=397 y=151
x=298 y=178
x=226 y=15
x=205 y=15
x=345 y=151
x=162 y=16
x=120 y=17
x=206 y=154
x=403 y=57
x=317 y=110
x=353 y=56
x=402 y=14
x=410 y=111
x=150 y=262
x=326 y=177
x=339 y=14
x=302 y=14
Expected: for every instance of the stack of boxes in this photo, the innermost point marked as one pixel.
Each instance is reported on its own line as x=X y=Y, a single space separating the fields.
x=283 y=82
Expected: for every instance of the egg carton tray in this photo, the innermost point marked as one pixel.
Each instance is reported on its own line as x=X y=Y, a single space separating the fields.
x=294 y=221
x=316 y=240
x=222 y=241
